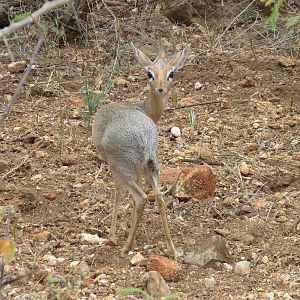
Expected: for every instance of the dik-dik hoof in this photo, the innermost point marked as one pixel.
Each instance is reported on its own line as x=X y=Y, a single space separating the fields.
x=172 y=252
x=124 y=252
x=113 y=240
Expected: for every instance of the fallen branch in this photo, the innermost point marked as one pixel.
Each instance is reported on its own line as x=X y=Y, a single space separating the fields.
x=49 y=5
x=24 y=78
x=15 y=168
x=198 y=104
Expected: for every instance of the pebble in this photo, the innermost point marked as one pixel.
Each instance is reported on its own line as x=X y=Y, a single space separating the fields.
x=245 y=169
x=242 y=267
x=137 y=259
x=91 y=238
x=3 y=165
x=286 y=62
x=17 y=66
x=282 y=219
x=252 y=146
x=51 y=259
x=17 y=129
x=255 y=125
x=85 y=204
x=44 y=235
x=104 y=281
x=198 y=85
x=176 y=132
x=265 y=259
x=210 y=282
x=228 y=266
x=298 y=228
x=74 y=264
x=50 y=195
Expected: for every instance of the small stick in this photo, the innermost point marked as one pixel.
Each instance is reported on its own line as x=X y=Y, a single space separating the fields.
x=48 y=6
x=202 y=161
x=24 y=78
x=12 y=58
x=229 y=25
x=197 y=104
x=16 y=167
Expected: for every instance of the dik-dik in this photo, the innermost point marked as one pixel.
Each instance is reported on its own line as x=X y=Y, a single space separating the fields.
x=126 y=138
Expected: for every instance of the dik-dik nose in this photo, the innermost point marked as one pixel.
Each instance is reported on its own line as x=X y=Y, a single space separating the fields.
x=160 y=90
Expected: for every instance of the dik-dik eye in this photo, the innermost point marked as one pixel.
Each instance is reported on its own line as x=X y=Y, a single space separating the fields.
x=150 y=76
x=171 y=76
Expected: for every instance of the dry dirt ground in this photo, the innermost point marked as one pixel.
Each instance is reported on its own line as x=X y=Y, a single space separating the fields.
x=256 y=122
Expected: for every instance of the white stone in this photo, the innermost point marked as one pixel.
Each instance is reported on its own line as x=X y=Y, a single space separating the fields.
x=255 y=125
x=242 y=267
x=51 y=259
x=176 y=132
x=103 y=281
x=228 y=266
x=198 y=85
x=74 y=263
x=91 y=238
x=210 y=282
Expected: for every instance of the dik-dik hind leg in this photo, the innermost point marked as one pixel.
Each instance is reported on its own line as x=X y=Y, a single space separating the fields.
x=153 y=176
x=118 y=198
x=139 y=200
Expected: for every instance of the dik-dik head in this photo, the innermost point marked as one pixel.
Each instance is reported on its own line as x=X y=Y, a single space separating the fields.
x=161 y=71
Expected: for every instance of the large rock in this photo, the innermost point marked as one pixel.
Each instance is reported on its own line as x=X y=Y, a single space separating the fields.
x=197 y=182
x=208 y=252
x=167 y=268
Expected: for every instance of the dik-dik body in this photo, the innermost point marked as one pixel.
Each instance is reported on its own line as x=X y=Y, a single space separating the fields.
x=126 y=138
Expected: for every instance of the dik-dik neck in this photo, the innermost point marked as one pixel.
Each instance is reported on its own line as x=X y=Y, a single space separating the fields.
x=155 y=105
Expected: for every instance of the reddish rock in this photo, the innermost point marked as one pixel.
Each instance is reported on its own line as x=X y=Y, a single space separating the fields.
x=197 y=182
x=50 y=195
x=44 y=235
x=69 y=159
x=247 y=82
x=167 y=268
x=169 y=176
x=3 y=165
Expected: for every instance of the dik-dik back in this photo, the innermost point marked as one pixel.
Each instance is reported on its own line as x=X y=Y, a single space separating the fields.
x=125 y=136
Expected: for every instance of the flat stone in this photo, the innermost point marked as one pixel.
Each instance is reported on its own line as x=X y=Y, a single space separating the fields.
x=156 y=285
x=138 y=259
x=208 y=252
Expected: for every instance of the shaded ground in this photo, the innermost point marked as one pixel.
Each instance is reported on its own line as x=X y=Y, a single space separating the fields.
x=257 y=121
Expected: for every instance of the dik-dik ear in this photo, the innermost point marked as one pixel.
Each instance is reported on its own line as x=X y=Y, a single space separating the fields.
x=142 y=58
x=177 y=61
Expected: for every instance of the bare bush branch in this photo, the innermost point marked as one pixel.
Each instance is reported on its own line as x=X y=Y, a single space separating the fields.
x=33 y=17
x=24 y=78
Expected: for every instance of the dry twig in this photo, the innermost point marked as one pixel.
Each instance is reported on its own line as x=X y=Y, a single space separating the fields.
x=48 y=6
x=24 y=78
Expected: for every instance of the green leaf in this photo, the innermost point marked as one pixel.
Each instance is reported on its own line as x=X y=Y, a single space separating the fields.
x=21 y=17
x=131 y=290
x=273 y=19
x=292 y=21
